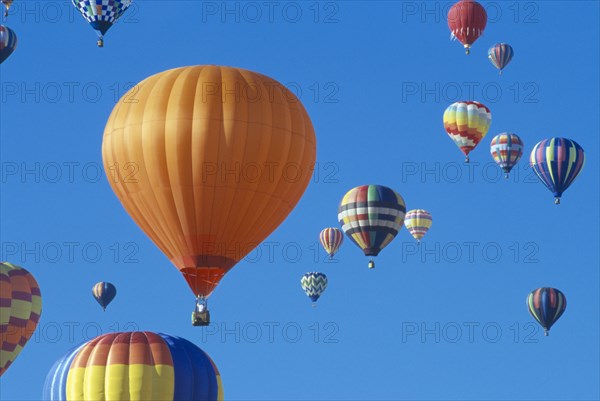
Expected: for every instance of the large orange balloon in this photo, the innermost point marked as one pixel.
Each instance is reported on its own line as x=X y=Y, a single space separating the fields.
x=208 y=161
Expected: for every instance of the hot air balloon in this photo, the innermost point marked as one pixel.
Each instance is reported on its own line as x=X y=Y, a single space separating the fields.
x=371 y=216
x=506 y=149
x=20 y=311
x=8 y=42
x=314 y=285
x=331 y=239
x=215 y=172
x=6 y=4
x=101 y=14
x=500 y=55
x=418 y=222
x=467 y=123
x=467 y=20
x=546 y=305
x=104 y=293
x=557 y=162
x=142 y=366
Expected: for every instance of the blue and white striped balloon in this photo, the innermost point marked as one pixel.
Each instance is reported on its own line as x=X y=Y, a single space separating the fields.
x=314 y=285
x=500 y=55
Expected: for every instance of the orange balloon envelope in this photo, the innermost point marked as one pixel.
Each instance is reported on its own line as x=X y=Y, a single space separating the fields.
x=20 y=311
x=208 y=161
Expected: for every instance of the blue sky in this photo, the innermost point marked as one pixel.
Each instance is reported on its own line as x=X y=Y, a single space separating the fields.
x=444 y=321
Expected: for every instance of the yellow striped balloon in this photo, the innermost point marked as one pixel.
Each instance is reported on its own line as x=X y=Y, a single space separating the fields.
x=331 y=240
x=467 y=123
x=418 y=222
x=20 y=311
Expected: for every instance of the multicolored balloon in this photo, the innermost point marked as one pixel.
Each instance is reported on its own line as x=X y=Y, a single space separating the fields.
x=418 y=222
x=134 y=366
x=371 y=216
x=8 y=42
x=6 y=4
x=20 y=311
x=500 y=55
x=102 y=14
x=314 y=285
x=104 y=293
x=467 y=123
x=331 y=240
x=467 y=20
x=506 y=149
x=546 y=305
x=557 y=162
x=207 y=205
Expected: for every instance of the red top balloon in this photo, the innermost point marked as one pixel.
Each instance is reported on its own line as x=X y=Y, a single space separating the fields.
x=467 y=20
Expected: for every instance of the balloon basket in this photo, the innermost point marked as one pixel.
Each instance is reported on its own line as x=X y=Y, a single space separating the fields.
x=545 y=333
x=200 y=318
x=506 y=176
x=467 y=159
x=100 y=43
x=557 y=201
x=371 y=264
x=314 y=305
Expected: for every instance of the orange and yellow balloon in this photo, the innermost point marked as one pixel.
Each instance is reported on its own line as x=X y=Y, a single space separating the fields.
x=208 y=161
x=20 y=311
x=467 y=123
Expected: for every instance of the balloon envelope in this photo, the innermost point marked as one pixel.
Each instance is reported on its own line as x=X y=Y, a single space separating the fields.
x=546 y=305
x=371 y=216
x=331 y=240
x=208 y=161
x=20 y=311
x=467 y=123
x=104 y=293
x=506 y=149
x=500 y=55
x=142 y=366
x=101 y=14
x=557 y=162
x=314 y=285
x=418 y=222
x=8 y=42
x=467 y=20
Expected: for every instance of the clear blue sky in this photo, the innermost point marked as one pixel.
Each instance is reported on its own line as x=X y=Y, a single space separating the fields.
x=375 y=78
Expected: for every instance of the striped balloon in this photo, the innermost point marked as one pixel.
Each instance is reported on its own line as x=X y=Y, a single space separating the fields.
x=546 y=305
x=20 y=311
x=467 y=123
x=557 y=162
x=500 y=55
x=506 y=149
x=314 y=285
x=8 y=42
x=331 y=240
x=371 y=216
x=101 y=14
x=104 y=293
x=142 y=366
x=418 y=222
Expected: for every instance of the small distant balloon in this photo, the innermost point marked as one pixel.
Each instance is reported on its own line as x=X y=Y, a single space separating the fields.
x=500 y=55
x=314 y=285
x=331 y=240
x=418 y=222
x=557 y=162
x=6 y=4
x=101 y=14
x=506 y=149
x=546 y=305
x=104 y=293
x=467 y=123
x=8 y=42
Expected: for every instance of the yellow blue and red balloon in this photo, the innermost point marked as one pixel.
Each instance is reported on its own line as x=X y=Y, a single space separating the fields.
x=467 y=123
x=506 y=149
x=418 y=222
x=104 y=293
x=500 y=55
x=331 y=239
x=546 y=305
x=8 y=42
x=142 y=366
x=557 y=162
x=20 y=311
x=371 y=216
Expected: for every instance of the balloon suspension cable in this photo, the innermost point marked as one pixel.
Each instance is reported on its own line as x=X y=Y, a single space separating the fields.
x=314 y=304
x=500 y=73
x=418 y=242
x=371 y=264
x=557 y=201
